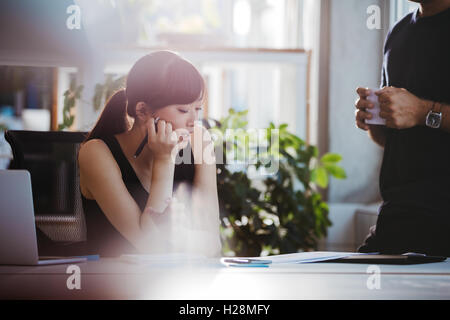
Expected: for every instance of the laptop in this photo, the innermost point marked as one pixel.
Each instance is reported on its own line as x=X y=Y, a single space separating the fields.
x=18 y=242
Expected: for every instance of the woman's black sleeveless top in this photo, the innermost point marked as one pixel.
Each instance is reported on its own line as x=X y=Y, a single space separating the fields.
x=102 y=237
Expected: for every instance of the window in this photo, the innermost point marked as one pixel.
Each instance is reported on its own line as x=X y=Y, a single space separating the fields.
x=234 y=23
x=270 y=91
x=249 y=51
x=400 y=8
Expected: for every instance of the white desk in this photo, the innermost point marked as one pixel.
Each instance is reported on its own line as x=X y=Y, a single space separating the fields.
x=114 y=279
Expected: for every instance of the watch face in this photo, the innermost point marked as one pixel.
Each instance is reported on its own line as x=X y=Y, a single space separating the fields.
x=434 y=119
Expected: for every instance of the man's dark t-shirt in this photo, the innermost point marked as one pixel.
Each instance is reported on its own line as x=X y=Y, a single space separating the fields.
x=415 y=174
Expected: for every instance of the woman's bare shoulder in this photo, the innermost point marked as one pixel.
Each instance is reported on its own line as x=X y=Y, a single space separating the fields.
x=95 y=155
x=93 y=148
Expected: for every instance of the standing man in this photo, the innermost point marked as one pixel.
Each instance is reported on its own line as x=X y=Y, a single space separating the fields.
x=415 y=102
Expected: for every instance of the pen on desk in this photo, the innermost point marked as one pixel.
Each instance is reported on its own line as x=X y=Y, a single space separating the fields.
x=246 y=261
x=250 y=265
x=90 y=257
x=145 y=140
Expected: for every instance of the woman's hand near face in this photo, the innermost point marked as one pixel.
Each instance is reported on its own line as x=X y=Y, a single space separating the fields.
x=163 y=143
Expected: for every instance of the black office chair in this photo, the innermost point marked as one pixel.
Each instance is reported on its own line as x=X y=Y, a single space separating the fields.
x=51 y=159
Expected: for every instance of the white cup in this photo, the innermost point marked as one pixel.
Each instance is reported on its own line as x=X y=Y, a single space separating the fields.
x=375 y=111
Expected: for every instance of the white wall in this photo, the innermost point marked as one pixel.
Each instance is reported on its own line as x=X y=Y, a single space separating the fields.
x=355 y=58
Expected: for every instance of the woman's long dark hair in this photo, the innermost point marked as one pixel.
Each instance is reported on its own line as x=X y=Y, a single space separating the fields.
x=159 y=79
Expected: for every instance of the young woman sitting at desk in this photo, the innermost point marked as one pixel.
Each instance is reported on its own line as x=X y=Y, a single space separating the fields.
x=128 y=175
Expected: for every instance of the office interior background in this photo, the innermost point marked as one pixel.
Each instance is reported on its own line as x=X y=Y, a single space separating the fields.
x=286 y=61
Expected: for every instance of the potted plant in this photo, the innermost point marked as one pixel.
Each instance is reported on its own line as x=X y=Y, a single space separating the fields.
x=286 y=212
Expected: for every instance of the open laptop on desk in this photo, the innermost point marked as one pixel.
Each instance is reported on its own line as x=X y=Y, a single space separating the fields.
x=18 y=243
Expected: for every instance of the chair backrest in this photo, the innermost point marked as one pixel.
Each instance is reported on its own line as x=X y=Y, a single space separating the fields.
x=51 y=159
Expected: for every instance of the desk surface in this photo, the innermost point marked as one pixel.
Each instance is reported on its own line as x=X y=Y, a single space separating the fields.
x=115 y=279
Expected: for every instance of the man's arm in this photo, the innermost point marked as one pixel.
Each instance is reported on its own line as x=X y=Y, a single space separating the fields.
x=402 y=109
x=378 y=134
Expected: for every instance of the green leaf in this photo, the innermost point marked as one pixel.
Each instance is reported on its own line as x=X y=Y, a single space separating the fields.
x=336 y=171
x=331 y=158
x=320 y=176
x=70 y=121
x=313 y=151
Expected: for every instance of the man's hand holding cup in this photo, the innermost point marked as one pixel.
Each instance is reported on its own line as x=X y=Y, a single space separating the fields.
x=367 y=109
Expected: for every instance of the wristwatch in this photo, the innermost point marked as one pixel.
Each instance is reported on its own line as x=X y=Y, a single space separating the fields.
x=434 y=116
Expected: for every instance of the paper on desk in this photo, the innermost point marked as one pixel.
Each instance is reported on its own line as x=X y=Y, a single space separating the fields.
x=302 y=257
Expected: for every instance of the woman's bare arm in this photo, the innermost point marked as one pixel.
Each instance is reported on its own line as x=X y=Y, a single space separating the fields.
x=204 y=196
x=101 y=176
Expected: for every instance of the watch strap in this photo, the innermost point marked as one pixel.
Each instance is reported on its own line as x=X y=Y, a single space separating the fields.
x=436 y=108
